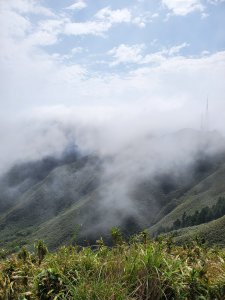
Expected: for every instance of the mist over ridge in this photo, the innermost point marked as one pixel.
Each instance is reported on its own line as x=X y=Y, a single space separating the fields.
x=133 y=172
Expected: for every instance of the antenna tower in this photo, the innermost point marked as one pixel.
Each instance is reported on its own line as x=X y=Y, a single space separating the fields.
x=207 y=115
x=205 y=118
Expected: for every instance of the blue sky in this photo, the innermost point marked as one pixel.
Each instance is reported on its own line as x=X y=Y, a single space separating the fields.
x=154 y=23
x=164 y=55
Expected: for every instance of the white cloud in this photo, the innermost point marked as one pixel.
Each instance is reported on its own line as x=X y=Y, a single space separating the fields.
x=204 y=15
x=141 y=18
x=70 y=55
x=176 y=49
x=78 y=5
x=155 y=15
x=85 y=28
x=46 y=33
x=133 y=54
x=108 y=15
x=139 y=21
x=103 y=20
x=216 y=2
x=35 y=79
x=77 y=50
x=118 y=109
x=162 y=81
x=13 y=25
x=26 y=6
x=183 y=7
x=165 y=93
x=158 y=58
x=126 y=54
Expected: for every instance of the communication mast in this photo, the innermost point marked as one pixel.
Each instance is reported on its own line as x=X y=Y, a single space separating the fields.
x=205 y=118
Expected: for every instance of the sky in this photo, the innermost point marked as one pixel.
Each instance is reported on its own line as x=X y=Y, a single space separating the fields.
x=137 y=62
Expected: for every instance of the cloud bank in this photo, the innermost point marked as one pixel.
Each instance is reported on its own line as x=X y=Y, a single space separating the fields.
x=182 y=8
x=129 y=90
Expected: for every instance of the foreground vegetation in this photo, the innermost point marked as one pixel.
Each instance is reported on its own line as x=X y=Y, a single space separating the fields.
x=139 y=269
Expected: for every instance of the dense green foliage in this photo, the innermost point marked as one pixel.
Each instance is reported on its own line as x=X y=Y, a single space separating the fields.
x=139 y=269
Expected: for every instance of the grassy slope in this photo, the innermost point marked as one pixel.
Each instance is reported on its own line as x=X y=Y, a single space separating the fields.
x=213 y=232
x=67 y=197
x=63 y=188
x=206 y=193
x=60 y=229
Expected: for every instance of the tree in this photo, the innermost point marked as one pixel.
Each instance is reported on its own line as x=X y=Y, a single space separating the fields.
x=41 y=249
x=177 y=224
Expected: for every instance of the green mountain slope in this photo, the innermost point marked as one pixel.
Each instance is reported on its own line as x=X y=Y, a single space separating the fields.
x=206 y=193
x=22 y=176
x=56 y=200
x=62 y=188
x=78 y=220
x=213 y=233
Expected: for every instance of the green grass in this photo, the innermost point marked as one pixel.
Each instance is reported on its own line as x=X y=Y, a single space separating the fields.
x=135 y=270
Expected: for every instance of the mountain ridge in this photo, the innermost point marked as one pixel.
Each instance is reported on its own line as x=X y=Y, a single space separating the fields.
x=68 y=195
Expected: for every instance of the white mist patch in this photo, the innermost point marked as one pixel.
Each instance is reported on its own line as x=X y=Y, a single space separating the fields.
x=129 y=134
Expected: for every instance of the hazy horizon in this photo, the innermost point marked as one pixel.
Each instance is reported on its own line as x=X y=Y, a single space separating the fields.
x=105 y=74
